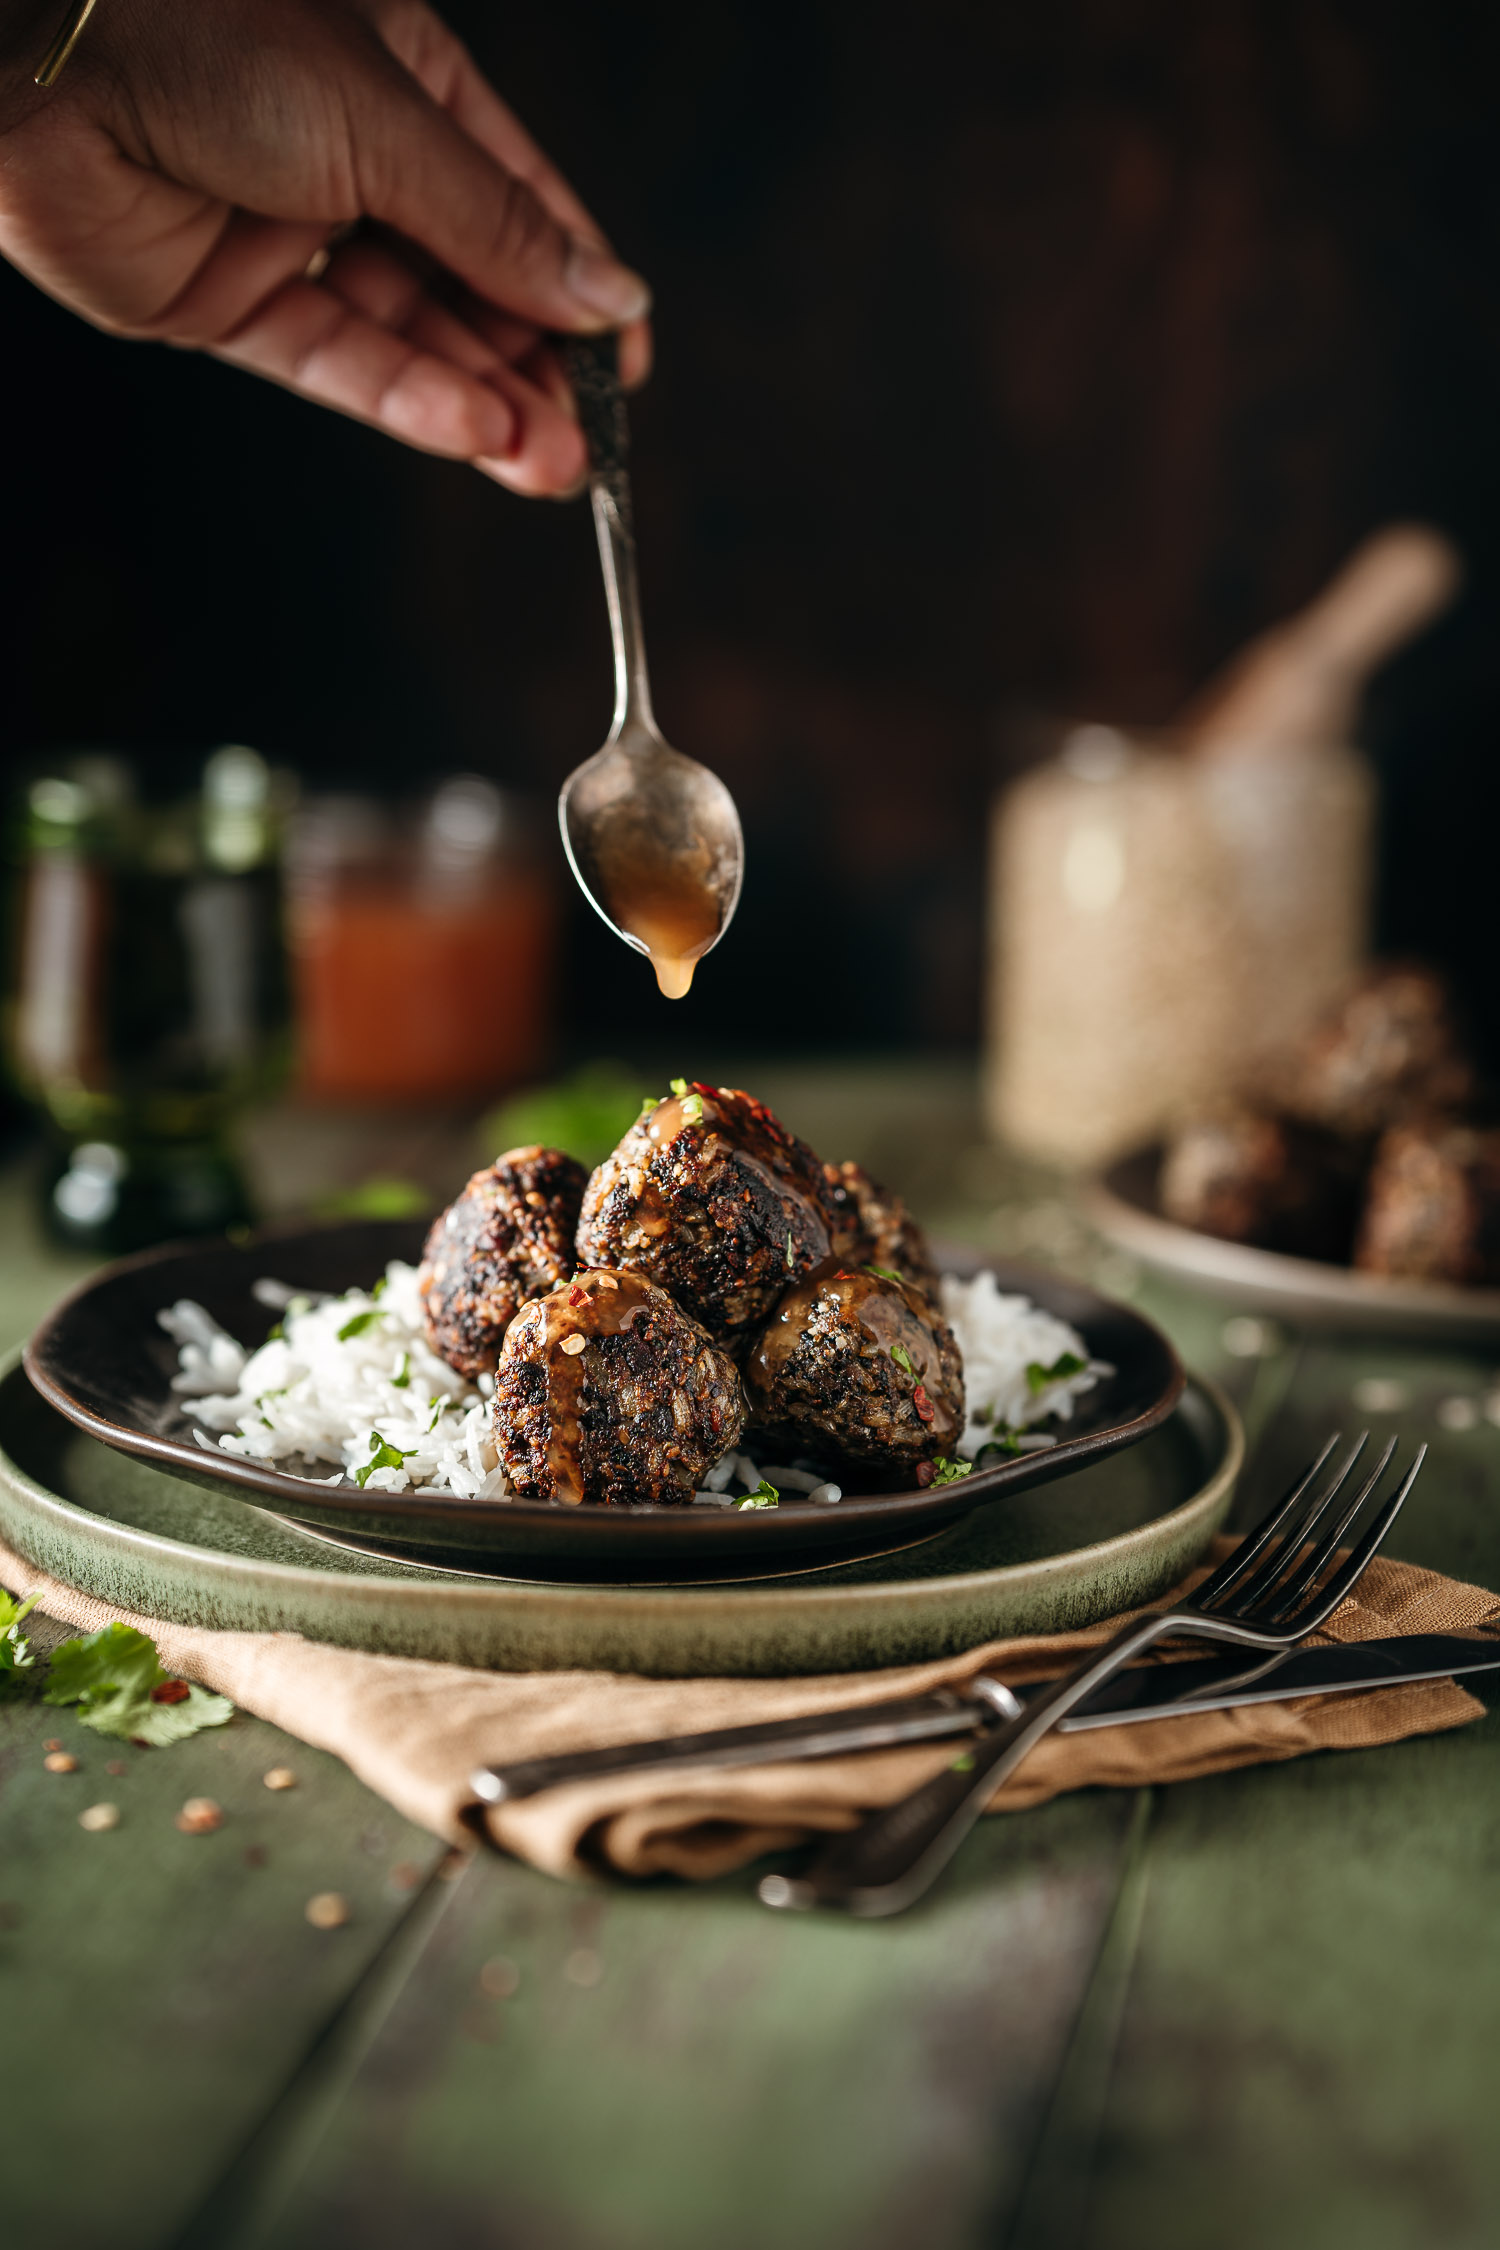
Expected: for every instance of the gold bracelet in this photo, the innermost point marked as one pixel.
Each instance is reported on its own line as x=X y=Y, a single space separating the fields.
x=63 y=45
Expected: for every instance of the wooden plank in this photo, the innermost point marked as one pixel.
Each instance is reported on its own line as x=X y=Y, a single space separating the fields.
x=678 y=2067
x=159 y=1988
x=1306 y=2054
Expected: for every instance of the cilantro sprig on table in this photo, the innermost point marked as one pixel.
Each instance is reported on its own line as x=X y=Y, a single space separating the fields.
x=15 y=1649
x=116 y=1680
x=113 y=1678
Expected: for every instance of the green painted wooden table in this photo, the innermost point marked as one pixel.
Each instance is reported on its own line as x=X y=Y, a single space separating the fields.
x=1256 y=2009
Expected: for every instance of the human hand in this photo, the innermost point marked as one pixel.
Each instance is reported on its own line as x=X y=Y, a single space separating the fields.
x=197 y=177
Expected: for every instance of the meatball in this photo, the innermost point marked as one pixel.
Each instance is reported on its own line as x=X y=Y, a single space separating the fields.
x=607 y=1391
x=712 y=1198
x=1433 y=1206
x=509 y=1236
x=865 y=1365
x=1390 y=1051
x=1249 y=1177
x=872 y=1227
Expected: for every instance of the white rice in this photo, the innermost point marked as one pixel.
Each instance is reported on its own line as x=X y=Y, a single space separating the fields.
x=352 y=1378
x=1001 y=1339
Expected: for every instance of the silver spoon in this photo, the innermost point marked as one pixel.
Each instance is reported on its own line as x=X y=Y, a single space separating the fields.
x=653 y=837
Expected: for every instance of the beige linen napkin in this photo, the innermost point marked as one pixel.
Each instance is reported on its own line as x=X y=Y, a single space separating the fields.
x=414 y=1731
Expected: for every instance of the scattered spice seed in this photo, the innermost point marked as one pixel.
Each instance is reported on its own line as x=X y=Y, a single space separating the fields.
x=280 y=1777
x=53 y=1742
x=60 y=1761
x=99 y=1817
x=573 y=1345
x=199 y=1817
x=327 y=1910
x=499 y=1978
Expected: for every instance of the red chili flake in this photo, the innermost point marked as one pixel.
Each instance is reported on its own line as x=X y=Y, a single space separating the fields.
x=170 y=1691
x=926 y=1471
x=578 y=1296
x=922 y=1403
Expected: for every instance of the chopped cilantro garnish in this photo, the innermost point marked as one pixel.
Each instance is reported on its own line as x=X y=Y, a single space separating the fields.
x=1005 y=1446
x=651 y=1102
x=679 y=1087
x=358 y=1322
x=402 y=1375
x=1038 y=1377
x=692 y=1109
x=438 y=1406
x=764 y=1496
x=114 y=1676
x=883 y=1273
x=382 y=1456
x=15 y=1649
x=275 y=1332
x=902 y=1357
x=950 y=1472
x=962 y=1764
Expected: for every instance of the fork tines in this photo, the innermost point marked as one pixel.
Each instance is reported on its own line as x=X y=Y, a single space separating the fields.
x=1281 y=1571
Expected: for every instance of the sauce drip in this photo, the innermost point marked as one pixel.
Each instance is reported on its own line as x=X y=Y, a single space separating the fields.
x=606 y=1304
x=673 y=910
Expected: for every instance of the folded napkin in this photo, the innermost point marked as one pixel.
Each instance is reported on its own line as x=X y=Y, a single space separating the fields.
x=415 y=1731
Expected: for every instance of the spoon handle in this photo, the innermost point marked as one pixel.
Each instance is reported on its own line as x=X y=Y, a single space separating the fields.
x=592 y=366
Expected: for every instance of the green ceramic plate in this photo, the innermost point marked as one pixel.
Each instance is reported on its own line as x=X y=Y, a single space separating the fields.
x=1117 y=1532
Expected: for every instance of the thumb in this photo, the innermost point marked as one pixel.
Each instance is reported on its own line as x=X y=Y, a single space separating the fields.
x=420 y=173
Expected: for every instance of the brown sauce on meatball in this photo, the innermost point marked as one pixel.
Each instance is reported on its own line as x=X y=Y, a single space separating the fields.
x=596 y=1304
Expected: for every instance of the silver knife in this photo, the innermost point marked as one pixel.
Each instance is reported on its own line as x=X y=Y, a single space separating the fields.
x=1145 y=1691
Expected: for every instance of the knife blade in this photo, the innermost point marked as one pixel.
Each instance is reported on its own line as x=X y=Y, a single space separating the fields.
x=1145 y=1691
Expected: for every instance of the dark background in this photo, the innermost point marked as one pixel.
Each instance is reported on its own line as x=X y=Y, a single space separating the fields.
x=1013 y=360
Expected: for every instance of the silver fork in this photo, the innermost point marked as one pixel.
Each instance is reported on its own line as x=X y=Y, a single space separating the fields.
x=1279 y=1585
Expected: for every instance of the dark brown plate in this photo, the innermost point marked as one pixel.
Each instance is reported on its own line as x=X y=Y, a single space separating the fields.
x=100 y=1358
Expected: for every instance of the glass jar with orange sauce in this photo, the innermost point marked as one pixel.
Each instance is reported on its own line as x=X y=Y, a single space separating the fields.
x=424 y=940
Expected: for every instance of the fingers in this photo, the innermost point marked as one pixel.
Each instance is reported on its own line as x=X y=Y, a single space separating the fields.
x=444 y=177
x=444 y=68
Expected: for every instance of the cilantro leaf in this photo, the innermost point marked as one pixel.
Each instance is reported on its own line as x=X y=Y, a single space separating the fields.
x=885 y=1273
x=114 y=1677
x=1002 y=1448
x=764 y=1496
x=358 y=1322
x=402 y=1375
x=902 y=1357
x=1038 y=1377
x=15 y=1649
x=946 y=1471
x=383 y=1455
x=692 y=1109
x=678 y=1086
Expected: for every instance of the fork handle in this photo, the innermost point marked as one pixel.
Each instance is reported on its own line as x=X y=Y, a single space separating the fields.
x=886 y=1863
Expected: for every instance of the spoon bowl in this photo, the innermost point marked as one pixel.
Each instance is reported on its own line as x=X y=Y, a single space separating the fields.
x=652 y=836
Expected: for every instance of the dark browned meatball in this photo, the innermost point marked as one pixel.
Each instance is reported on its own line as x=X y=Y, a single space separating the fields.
x=1270 y=1181
x=1390 y=1051
x=607 y=1391
x=872 y=1227
x=508 y=1237
x=864 y=1365
x=713 y=1199
x=1433 y=1210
